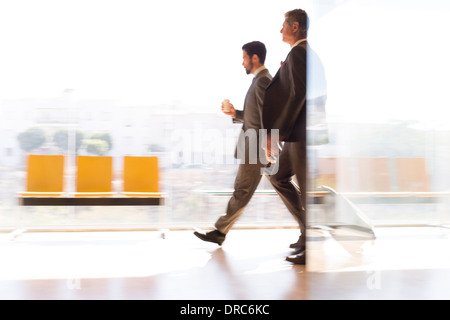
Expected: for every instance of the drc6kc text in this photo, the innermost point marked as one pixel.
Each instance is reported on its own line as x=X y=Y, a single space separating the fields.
x=246 y=309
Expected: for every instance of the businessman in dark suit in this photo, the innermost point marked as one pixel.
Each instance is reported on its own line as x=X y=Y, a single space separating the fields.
x=284 y=110
x=248 y=149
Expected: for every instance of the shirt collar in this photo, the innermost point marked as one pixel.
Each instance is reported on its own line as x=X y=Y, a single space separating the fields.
x=298 y=42
x=259 y=70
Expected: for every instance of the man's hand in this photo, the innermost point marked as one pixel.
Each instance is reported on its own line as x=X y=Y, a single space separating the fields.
x=232 y=111
x=272 y=151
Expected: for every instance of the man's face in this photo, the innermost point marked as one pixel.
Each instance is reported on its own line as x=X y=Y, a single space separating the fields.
x=247 y=63
x=288 y=32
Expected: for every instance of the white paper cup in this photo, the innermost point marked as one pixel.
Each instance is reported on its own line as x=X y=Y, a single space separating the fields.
x=226 y=105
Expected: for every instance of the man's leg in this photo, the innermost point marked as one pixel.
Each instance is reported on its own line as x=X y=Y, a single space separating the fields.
x=299 y=163
x=281 y=182
x=247 y=180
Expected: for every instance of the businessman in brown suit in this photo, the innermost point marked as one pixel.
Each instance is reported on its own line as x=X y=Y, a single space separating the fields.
x=248 y=148
x=284 y=109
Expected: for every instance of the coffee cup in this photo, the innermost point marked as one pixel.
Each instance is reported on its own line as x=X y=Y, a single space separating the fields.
x=226 y=105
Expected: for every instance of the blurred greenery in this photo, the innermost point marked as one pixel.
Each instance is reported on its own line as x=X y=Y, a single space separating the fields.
x=104 y=137
x=61 y=138
x=96 y=146
x=31 y=139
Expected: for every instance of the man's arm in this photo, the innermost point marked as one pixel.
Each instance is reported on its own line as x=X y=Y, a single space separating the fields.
x=238 y=116
x=297 y=74
x=260 y=90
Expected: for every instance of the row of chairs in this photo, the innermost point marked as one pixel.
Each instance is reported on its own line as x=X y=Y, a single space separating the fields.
x=94 y=179
x=388 y=175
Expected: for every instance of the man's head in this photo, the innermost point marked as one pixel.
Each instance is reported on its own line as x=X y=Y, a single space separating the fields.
x=295 y=26
x=254 y=55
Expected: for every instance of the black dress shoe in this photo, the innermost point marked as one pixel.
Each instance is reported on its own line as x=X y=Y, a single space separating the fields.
x=298 y=244
x=299 y=258
x=213 y=236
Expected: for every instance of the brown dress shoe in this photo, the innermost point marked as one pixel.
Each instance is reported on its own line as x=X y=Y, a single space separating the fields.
x=213 y=236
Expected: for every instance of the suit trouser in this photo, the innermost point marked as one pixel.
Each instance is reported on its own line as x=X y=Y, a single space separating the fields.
x=293 y=161
x=247 y=180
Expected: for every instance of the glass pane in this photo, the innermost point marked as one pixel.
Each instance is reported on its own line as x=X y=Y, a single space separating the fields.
x=386 y=113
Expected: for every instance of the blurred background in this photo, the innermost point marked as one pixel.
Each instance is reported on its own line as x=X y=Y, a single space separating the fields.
x=147 y=78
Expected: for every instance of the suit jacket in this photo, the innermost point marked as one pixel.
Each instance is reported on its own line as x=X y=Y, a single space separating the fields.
x=251 y=117
x=284 y=106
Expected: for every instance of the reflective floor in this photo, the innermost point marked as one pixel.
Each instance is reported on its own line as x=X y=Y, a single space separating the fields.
x=402 y=263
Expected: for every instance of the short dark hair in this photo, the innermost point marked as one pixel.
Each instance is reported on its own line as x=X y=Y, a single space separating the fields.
x=256 y=47
x=300 y=16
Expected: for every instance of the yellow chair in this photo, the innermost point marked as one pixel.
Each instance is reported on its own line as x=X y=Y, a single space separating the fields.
x=94 y=176
x=141 y=177
x=45 y=176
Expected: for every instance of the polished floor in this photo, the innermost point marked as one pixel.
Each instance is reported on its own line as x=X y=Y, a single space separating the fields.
x=401 y=263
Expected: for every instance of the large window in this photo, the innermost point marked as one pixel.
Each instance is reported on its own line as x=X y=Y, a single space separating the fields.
x=121 y=78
